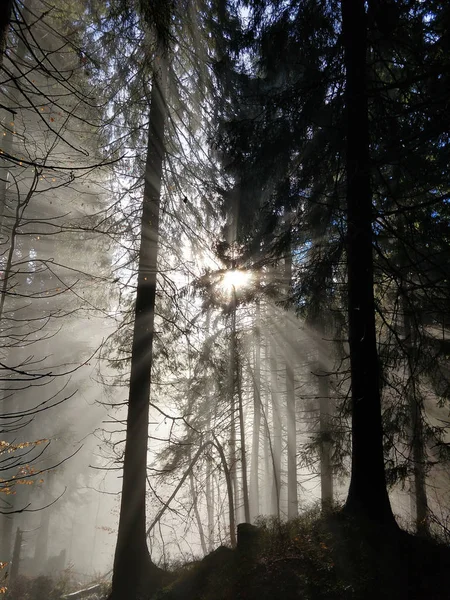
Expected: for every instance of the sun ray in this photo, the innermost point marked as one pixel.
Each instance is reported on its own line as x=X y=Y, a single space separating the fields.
x=235 y=279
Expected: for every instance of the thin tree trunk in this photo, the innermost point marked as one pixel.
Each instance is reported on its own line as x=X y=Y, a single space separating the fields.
x=291 y=442
x=209 y=493
x=419 y=498
x=196 y=512
x=367 y=496
x=243 y=445
x=6 y=538
x=254 y=474
x=221 y=516
x=268 y=460
x=216 y=444
x=228 y=481
x=326 y=472
x=134 y=571
x=231 y=390
x=290 y=404
x=209 y=487
x=276 y=425
x=41 y=546
x=15 y=566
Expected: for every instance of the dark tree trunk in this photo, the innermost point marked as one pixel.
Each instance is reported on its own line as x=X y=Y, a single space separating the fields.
x=268 y=471
x=290 y=405
x=6 y=537
x=243 y=445
x=209 y=494
x=367 y=496
x=229 y=484
x=15 y=566
x=232 y=458
x=276 y=425
x=210 y=425
x=254 y=475
x=419 y=498
x=196 y=511
x=134 y=573
x=326 y=474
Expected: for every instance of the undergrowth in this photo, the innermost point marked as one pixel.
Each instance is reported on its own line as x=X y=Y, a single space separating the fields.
x=316 y=557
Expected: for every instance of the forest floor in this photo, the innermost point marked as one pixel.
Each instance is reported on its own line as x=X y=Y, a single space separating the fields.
x=315 y=558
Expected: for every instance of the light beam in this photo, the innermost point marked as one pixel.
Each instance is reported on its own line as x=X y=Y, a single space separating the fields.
x=235 y=280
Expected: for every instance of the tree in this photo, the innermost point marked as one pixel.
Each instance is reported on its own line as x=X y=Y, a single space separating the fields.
x=367 y=496
x=34 y=171
x=285 y=100
x=291 y=413
x=133 y=568
x=256 y=429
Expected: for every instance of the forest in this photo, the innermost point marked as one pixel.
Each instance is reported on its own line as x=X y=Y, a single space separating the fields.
x=224 y=299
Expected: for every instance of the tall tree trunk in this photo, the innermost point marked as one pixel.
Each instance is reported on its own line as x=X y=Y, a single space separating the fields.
x=419 y=500
x=276 y=425
x=209 y=494
x=268 y=464
x=134 y=573
x=254 y=475
x=367 y=496
x=196 y=511
x=243 y=443
x=290 y=403
x=228 y=481
x=6 y=538
x=326 y=473
x=231 y=390
x=15 y=566
x=41 y=545
x=211 y=418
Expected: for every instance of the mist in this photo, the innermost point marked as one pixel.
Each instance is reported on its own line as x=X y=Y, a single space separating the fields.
x=223 y=300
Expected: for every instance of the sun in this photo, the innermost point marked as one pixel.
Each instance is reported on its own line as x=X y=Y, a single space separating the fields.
x=235 y=280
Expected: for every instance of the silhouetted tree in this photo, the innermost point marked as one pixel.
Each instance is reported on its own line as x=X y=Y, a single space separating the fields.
x=367 y=496
x=134 y=571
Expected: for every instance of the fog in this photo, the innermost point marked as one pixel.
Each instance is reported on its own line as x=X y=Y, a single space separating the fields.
x=245 y=345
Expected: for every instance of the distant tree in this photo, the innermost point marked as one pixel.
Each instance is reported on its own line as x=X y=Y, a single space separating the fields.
x=38 y=114
x=257 y=414
x=291 y=412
